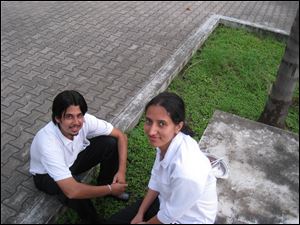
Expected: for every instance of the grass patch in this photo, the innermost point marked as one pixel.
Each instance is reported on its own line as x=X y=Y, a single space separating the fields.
x=232 y=72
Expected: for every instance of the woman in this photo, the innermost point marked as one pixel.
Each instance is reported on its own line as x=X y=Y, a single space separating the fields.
x=182 y=187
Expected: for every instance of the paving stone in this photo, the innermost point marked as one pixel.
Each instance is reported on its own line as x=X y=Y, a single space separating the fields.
x=21 y=140
x=6 y=212
x=7 y=171
x=18 y=129
x=16 y=201
x=6 y=152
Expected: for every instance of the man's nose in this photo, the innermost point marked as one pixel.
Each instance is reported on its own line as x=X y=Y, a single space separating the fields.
x=77 y=120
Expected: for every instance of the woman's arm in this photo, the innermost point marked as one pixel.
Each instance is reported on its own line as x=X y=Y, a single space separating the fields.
x=154 y=220
x=148 y=200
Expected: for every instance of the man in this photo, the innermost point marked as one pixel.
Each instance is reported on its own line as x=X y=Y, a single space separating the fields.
x=72 y=143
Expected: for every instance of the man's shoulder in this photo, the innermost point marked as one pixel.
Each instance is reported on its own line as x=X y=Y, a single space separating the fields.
x=91 y=119
x=94 y=126
x=46 y=136
x=47 y=131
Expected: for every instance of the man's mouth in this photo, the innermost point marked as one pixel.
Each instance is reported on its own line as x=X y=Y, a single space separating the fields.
x=75 y=129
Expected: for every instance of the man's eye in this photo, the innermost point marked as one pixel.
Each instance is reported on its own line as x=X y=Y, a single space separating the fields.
x=68 y=116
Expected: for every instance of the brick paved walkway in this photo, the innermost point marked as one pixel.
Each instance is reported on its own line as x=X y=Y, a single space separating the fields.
x=108 y=51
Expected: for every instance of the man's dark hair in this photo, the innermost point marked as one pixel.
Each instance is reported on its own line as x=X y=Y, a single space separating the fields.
x=65 y=99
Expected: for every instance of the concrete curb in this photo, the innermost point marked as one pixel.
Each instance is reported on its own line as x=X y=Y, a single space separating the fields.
x=163 y=77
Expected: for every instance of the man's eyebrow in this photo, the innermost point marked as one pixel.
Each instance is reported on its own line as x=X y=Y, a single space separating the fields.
x=72 y=114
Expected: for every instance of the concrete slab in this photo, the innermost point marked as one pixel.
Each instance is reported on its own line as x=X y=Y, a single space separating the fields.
x=263 y=161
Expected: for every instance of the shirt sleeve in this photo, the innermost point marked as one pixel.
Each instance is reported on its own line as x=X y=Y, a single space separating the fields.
x=184 y=194
x=96 y=127
x=153 y=184
x=53 y=160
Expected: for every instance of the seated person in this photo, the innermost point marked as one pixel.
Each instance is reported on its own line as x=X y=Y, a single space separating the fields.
x=72 y=143
x=182 y=187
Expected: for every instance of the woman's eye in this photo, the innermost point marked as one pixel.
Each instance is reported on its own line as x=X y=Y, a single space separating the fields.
x=162 y=123
x=148 y=122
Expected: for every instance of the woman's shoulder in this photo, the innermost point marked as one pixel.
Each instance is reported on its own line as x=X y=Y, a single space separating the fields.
x=189 y=143
x=192 y=153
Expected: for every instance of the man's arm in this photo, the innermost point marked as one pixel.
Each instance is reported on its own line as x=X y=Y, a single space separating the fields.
x=75 y=190
x=120 y=177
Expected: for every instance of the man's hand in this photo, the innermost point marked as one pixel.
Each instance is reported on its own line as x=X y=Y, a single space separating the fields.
x=118 y=188
x=119 y=178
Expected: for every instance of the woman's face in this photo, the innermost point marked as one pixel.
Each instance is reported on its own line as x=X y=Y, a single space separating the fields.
x=159 y=127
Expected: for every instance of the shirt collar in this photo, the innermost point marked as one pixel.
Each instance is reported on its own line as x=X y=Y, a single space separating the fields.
x=65 y=141
x=172 y=149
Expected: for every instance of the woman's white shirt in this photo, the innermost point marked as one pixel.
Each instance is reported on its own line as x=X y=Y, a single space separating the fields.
x=185 y=182
x=51 y=152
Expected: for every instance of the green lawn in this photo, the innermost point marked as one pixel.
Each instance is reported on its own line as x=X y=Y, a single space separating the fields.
x=232 y=72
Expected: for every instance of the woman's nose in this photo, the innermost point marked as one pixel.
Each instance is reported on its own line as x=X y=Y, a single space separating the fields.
x=152 y=130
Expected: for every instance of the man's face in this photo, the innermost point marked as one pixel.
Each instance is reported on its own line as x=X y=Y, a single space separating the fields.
x=71 y=121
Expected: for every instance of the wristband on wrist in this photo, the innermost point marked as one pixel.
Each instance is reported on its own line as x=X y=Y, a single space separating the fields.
x=109 y=187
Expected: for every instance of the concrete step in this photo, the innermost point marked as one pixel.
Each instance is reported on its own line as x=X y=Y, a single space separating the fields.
x=263 y=161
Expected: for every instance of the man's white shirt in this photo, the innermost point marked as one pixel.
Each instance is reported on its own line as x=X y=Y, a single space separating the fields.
x=51 y=152
x=185 y=182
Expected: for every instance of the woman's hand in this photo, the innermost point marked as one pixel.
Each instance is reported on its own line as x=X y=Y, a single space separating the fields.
x=138 y=219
